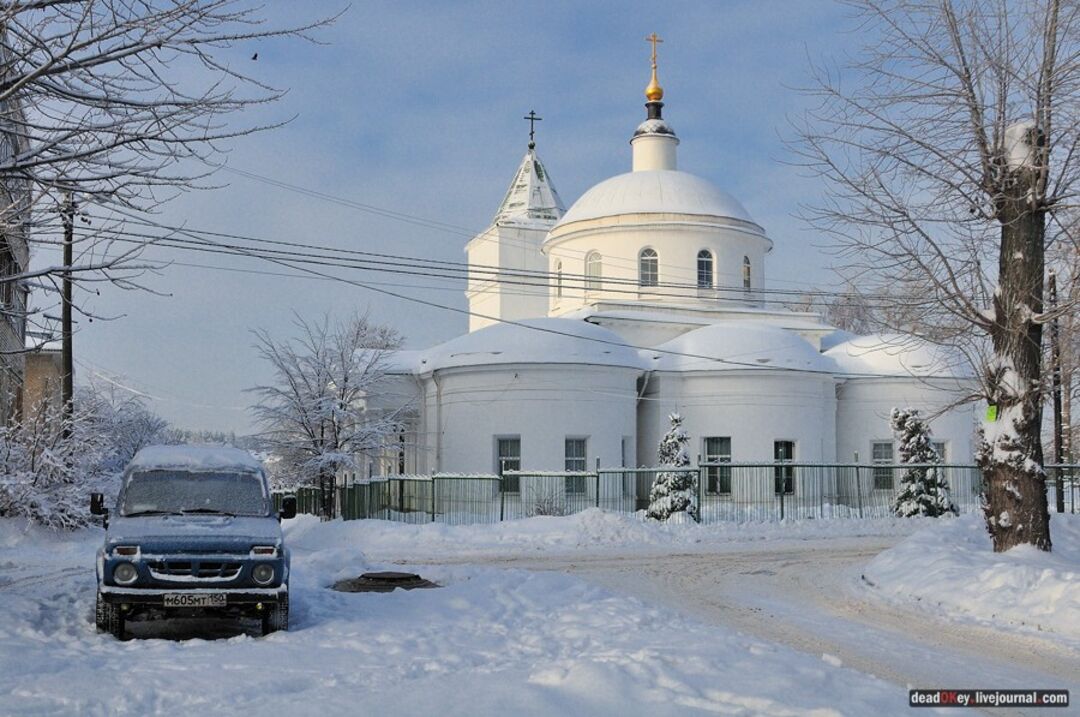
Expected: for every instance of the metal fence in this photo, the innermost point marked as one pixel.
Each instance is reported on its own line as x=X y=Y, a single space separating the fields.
x=727 y=492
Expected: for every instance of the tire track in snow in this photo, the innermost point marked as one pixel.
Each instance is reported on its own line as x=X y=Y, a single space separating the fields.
x=807 y=598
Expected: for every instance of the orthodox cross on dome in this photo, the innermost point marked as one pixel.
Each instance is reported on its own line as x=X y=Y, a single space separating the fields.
x=533 y=119
x=654 y=92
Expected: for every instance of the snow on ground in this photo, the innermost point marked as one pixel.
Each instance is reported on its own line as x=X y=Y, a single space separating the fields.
x=593 y=530
x=490 y=642
x=949 y=568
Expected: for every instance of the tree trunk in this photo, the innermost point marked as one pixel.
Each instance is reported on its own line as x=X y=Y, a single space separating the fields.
x=327 y=489
x=1015 y=502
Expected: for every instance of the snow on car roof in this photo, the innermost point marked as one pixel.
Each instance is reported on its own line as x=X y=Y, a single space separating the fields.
x=194 y=458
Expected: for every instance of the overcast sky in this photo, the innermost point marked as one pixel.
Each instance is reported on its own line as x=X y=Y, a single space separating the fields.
x=416 y=108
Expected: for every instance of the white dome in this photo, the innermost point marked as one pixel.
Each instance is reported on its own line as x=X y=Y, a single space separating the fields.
x=740 y=345
x=655 y=191
x=548 y=341
x=895 y=355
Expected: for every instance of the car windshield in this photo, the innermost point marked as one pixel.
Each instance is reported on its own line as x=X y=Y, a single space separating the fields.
x=165 y=491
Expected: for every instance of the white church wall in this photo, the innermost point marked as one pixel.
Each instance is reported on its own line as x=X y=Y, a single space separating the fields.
x=862 y=417
x=676 y=244
x=543 y=404
x=513 y=249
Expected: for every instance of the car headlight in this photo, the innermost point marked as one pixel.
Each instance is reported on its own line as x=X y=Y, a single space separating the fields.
x=263 y=574
x=125 y=573
x=130 y=550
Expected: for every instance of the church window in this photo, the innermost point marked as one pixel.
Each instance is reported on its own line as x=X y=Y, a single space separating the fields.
x=593 y=271
x=508 y=458
x=746 y=272
x=704 y=269
x=939 y=448
x=718 y=477
x=558 y=280
x=576 y=461
x=784 y=475
x=649 y=268
x=881 y=455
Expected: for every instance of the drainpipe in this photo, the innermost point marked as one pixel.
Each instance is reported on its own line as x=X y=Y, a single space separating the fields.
x=438 y=422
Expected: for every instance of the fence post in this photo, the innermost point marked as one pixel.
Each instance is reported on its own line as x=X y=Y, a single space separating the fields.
x=598 y=481
x=434 y=487
x=783 y=487
x=502 y=499
x=858 y=489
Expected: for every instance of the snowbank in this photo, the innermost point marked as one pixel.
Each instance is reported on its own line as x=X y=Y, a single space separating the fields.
x=591 y=530
x=491 y=642
x=951 y=568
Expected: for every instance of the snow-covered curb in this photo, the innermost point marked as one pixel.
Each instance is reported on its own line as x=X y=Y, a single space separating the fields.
x=593 y=530
x=950 y=568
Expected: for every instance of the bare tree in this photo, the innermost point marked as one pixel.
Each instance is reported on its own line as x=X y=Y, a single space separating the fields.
x=948 y=147
x=119 y=105
x=326 y=406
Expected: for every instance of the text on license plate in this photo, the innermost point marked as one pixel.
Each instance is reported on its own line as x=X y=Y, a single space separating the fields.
x=189 y=600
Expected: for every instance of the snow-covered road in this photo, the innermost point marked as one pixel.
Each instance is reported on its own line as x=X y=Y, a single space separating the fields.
x=587 y=614
x=803 y=597
x=806 y=595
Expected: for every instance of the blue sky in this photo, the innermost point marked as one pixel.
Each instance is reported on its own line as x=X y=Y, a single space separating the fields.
x=416 y=108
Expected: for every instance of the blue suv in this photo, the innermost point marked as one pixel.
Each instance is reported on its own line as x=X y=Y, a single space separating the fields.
x=192 y=531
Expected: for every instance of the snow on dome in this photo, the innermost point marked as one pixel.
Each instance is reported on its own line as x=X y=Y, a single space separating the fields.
x=546 y=340
x=654 y=126
x=739 y=345
x=194 y=458
x=660 y=191
x=896 y=355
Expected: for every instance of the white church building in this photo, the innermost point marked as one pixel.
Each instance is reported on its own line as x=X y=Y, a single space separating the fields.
x=590 y=325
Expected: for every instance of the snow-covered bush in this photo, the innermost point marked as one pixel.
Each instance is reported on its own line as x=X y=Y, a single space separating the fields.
x=923 y=489
x=51 y=463
x=673 y=492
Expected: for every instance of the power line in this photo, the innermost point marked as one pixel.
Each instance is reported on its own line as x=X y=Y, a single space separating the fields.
x=567 y=334
x=541 y=282
x=495 y=273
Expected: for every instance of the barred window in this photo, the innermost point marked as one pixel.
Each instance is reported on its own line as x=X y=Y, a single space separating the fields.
x=593 y=271
x=784 y=452
x=508 y=458
x=718 y=478
x=576 y=461
x=881 y=455
x=649 y=268
x=704 y=269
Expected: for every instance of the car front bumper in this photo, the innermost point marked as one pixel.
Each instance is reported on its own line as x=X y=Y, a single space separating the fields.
x=155 y=597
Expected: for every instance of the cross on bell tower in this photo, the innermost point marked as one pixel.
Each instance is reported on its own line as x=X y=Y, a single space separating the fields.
x=533 y=119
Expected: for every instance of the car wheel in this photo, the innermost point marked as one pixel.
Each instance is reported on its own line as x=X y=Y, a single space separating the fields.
x=277 y=617
x=109 y=618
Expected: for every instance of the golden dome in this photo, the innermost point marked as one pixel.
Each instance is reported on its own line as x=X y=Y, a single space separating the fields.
x=654 y=92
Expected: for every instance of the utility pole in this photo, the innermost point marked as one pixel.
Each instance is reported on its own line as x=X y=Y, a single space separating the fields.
x=1055 y=390
x=66 y=358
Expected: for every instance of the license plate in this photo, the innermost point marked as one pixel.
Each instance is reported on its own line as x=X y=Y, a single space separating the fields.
x=189 y=600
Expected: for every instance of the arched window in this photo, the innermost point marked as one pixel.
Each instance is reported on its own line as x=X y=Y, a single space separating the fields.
x=558 y=279
x=593 y=271
x=648 y=268
x=746 y=272
x=704 y=269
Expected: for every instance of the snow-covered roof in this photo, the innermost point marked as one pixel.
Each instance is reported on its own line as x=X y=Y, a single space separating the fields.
x=739 y=345
x=662 y=191
x=194 y=458
x=531 y=198
x=896 y=355
x=545 y=340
